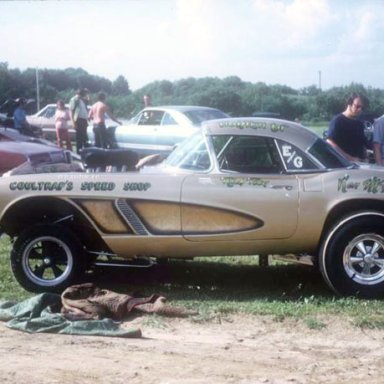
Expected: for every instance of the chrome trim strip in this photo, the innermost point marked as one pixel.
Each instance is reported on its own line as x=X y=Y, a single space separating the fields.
x=130 y=215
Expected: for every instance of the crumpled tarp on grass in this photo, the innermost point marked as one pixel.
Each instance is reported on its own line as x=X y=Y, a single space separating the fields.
x=37 y=315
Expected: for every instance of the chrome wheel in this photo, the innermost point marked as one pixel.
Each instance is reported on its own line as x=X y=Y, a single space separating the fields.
x=47 y=261
x=351 y=257
x=47 y=257
x=363 y=259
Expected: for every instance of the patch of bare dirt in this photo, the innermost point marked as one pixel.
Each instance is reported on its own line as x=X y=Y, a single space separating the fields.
x=234 y=349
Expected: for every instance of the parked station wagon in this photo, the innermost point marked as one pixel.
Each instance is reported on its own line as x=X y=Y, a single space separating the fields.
x=241 y=186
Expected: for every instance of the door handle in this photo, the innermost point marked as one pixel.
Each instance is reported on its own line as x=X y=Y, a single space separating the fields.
x=287 y=187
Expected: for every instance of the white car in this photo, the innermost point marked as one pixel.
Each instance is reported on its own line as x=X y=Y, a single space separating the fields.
x=159 y=129
x=45 y=120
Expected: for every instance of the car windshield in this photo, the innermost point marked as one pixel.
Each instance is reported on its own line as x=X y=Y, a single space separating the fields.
x=328 y=156
x=197 y=116
x=190 y=154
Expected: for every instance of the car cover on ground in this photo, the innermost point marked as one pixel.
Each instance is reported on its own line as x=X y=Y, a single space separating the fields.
x=83 y=310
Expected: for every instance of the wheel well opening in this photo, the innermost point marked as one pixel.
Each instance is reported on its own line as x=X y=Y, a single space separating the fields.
x=349 y=208
x=46 y=210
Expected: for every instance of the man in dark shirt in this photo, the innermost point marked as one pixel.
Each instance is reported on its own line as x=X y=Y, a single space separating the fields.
x=346 y=132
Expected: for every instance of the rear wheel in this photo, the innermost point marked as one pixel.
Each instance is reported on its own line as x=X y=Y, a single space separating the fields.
x=352 y=256
x=47 y=258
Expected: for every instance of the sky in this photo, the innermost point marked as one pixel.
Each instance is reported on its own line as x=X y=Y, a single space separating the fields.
x=298 y=43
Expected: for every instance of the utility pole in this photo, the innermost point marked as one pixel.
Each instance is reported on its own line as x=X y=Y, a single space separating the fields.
x=320 y=80
x=37 y=90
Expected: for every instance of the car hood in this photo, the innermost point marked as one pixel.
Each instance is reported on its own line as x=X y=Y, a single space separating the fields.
x=10 y=134
x=27 y=148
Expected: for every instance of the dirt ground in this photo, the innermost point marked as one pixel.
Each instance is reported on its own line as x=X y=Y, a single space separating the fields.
x=233 y=349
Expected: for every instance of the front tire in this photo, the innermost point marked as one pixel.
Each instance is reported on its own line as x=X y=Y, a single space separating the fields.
x=47 y=258
x=351 y=258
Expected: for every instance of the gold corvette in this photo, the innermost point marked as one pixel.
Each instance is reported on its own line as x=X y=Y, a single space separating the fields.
x=240 y=186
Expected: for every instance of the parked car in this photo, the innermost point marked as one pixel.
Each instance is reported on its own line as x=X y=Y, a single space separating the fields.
x=16 y=149
x=16 y=153
x=8 y=107
x=11 y=134
x=152 y=130
x=45 y=120
x=239 y=186
x=368 y=120
x=159 y=129
x=6 y=121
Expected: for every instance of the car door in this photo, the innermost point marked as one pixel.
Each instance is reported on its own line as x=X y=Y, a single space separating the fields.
x=46 y=118
x=249 y=197
x=140 y=135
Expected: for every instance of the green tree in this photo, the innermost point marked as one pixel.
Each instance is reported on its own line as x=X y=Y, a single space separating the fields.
x=120 y=87
x=231 y=94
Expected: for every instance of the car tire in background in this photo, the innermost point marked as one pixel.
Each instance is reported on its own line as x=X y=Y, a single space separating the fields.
x=47 y=258
x=351 y=258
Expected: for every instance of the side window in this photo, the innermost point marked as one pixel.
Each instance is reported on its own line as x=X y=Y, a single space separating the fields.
x=248 y=154
x=168 y=120
x=327 y=155
x=150 y=118
x=294 y=159
x=49 y=112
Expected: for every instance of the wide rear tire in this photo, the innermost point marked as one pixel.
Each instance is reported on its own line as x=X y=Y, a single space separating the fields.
x=351 y=258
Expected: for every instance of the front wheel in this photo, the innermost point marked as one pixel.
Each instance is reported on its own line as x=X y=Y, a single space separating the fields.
x=351 y=258
x=47 y=258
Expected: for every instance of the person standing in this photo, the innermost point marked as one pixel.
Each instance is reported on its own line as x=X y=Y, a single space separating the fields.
x=147 y=100
x=378 y=140
x=97 y=113
x=20 y=118
x=61 y=124
x=346 y=132
x=79 y=117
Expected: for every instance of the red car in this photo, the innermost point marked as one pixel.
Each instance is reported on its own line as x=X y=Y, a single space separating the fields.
x=16 y=149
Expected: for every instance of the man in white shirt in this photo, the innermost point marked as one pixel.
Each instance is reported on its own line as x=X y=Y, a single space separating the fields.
x=79 y=117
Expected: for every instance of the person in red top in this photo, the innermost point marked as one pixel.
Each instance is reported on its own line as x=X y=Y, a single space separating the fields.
x=62 y=117
x=98 y=112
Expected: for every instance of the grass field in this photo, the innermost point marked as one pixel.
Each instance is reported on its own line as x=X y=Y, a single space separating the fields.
x=318 y=128
x=218 y=286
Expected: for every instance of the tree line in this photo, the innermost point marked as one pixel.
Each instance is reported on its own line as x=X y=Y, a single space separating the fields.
x=230 y=94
